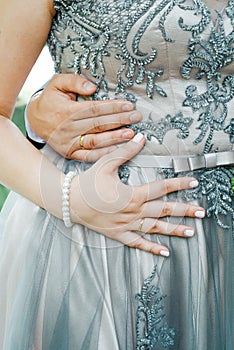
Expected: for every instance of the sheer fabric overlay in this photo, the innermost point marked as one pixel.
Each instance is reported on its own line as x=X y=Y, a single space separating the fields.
x=75 y=289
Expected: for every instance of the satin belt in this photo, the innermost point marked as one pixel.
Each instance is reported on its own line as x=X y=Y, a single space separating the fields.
x=184 y=163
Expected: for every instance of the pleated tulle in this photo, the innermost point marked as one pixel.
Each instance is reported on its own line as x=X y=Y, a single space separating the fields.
x=71 y=289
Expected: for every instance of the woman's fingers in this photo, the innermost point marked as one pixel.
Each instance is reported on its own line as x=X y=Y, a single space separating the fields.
x=123 y=153
x=160 y=188
x=134 y=240
x=150 y=226
x=90 y=156
x=163 y=208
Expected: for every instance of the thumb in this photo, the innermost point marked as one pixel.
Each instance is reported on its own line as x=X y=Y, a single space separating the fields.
x=125 y=152
x=73 y=83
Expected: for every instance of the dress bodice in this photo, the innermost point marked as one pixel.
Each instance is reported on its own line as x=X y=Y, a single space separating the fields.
x=172 y=59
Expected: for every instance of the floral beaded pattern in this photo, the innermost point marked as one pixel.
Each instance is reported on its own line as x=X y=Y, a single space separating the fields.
x=209 y=57
x=216 y=185
x=100 y=30
x=151 y=328
x=105 y=31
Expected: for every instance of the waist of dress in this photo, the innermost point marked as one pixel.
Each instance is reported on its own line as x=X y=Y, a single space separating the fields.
x=184 y=163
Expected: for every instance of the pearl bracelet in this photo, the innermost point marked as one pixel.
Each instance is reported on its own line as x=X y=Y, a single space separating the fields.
x=65 y=198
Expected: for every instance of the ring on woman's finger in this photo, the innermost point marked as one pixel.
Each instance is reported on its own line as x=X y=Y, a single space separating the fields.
x=140 y=225
x=81 y=141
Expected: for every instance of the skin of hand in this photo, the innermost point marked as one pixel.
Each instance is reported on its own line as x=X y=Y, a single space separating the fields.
x=116 y=210
x=25 y=170
x=56 y=116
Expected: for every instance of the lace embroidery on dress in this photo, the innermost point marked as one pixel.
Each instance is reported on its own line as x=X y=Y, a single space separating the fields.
x=215 y=185
x=150 y=328
x=209 y=57
x=99 y=28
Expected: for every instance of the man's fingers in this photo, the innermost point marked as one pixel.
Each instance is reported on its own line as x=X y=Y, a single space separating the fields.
x=73 y=83
x=105 y=139
x=107 y=122
x=91 y=109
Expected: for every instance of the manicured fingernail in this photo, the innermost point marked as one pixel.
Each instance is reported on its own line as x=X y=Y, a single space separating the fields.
x=134 y=117
x=199 y=214
x=193 y=183
x=88 y=86
x=138 y=138
x=127 y=134
x=164 y=253
x=127 y=107
x=188 y=233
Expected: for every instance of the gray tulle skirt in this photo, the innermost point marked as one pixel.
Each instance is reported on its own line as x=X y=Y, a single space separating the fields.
x=72 y=289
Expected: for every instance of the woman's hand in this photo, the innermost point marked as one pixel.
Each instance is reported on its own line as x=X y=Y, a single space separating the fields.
x=60 y=120
x=118 y=211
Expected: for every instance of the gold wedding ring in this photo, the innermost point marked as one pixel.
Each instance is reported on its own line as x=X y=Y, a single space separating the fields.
x=81 y=142
x=140 y=225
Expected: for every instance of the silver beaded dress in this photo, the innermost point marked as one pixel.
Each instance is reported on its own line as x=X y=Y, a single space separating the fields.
x=73 y=289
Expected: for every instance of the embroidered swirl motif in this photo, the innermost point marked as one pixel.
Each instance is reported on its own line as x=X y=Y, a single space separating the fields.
x=101 y=27
x=209 y=57
x=158 y=130
x=215 y=185
x=230 y=130
x=149 y=327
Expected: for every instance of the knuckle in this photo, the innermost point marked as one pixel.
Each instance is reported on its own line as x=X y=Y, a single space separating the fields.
x=171 y=185
x=94 y=108
x=138 y=244
x=166 y=210
x=59 y=118
x=98 y=125
x=136 y=200
x=156 y=226
x=89 y=142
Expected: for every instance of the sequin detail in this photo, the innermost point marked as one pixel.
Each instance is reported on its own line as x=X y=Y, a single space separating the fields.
x=100 y=29
x=208 y=57
x=150 y=328
x=159 y=130
x=215 y=185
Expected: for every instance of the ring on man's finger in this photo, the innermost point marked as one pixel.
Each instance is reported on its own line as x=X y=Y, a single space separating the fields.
x=140 y=225
x=81 y=141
